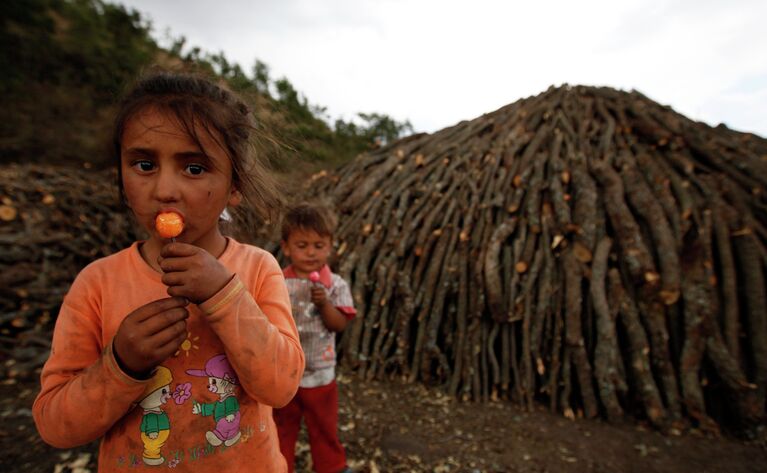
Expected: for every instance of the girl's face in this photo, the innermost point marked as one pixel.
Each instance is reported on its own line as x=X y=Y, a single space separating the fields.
x=163 y=169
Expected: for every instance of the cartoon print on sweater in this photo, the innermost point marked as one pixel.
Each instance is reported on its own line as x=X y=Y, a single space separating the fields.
x=155 y=425
x=222 y=380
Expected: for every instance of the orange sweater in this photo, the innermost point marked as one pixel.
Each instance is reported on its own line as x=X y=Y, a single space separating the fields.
x=209 y=406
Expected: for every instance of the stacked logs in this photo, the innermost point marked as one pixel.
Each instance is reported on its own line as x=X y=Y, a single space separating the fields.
x=585 y=247
x=53 y=221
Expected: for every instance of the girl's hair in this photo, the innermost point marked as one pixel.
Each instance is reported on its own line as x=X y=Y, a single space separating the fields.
x=305 y=216
x=199 y=103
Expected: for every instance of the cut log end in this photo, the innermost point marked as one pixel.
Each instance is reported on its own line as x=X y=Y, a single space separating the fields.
x=582 y=253
x=7 y=213
x=669 y=296
x=556 y=241
x=651 y=277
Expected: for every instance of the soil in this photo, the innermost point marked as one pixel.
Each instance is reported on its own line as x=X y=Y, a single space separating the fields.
x=392 y=427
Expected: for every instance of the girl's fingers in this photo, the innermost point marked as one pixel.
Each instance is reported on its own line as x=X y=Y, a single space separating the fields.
x=170 y=335
x=163 y=320
x=163 y=352
x=196 y=278
x=177 y=249
x=174 y=279
x=175 y=264
x=156 y=307
x=176 y=290
x=178 y=287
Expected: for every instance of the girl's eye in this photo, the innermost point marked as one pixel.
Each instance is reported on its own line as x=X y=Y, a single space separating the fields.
x=319 y=246
x=195 y=169
x=164 y=391
x=143 y=165
x=213 y=382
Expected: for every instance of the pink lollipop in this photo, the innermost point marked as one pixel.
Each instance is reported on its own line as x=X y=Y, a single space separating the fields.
x=314 y=276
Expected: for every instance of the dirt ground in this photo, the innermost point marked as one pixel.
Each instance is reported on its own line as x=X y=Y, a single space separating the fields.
x=408 y=428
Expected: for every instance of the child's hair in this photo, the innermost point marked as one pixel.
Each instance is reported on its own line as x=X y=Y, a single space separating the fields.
x=306 y=216
x=197 y=102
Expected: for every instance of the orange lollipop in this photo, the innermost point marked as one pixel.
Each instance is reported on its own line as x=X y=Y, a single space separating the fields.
x=169 y=224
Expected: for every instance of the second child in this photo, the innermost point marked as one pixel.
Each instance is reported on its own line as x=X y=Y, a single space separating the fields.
x=322 y=306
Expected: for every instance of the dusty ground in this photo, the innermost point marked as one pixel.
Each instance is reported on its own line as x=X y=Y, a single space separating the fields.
x=407 y=428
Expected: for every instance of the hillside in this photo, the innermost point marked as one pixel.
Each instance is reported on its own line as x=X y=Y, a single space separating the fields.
x=66 y=63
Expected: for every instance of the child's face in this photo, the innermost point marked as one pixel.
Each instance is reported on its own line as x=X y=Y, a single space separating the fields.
x=307 y=251
x=163 y=169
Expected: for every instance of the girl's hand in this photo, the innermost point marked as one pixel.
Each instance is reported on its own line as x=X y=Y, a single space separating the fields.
x=150 y=334
x=319 y=296
x=192 y=272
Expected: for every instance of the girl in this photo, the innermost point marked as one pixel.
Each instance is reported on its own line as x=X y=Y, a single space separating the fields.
x=134 y=325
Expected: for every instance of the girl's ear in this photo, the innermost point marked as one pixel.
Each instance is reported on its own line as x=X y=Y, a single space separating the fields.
x=235 y=197
x=284 y=247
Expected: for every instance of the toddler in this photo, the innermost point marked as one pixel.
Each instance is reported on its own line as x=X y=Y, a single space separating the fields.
x=322 y=305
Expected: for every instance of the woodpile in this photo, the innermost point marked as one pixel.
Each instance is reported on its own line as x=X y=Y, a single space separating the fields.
x=53 y=221
x=586 y=248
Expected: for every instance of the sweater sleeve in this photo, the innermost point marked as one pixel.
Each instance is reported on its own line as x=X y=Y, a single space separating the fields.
x=83 y=391
x=341 y=298
x=259 y=335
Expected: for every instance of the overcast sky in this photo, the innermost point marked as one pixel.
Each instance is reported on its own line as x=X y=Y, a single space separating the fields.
x=437 y=62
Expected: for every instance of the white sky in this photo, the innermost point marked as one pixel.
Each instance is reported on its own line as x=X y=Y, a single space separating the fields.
x=437 y=62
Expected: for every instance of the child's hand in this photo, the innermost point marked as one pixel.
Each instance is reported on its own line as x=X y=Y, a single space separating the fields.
x=319 y=296
x=192 y=272
x=150 y=334
x=333 y=319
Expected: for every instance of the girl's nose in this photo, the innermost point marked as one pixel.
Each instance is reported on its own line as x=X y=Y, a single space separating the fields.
x=166 y=186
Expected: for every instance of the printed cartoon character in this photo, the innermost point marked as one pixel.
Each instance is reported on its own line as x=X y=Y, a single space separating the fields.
x=155 y=426
x=222 y=380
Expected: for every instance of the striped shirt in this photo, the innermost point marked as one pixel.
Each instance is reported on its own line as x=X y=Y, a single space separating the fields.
x=318 y=342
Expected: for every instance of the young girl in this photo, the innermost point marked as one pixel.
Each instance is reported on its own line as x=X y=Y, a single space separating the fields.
x=174 y=352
